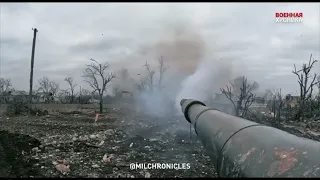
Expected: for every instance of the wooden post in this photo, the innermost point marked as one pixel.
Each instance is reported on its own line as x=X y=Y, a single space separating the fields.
x=35 y=30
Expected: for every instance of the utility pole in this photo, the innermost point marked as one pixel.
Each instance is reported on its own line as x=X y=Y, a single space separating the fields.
x=35 y=30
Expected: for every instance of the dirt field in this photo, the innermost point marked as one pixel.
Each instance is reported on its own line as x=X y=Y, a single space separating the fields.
x=70 y=144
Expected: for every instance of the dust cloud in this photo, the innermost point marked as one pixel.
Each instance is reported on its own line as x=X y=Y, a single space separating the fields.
x=193 y=70
x=183 y=48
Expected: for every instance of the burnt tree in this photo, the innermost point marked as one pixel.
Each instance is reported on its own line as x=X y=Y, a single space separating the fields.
x=240 y=94
x=48 y=88
x=148 y=81
x=97 y=77
x=306 y=84
x=162 y=70
x=71 y=88
x=277 y=105
x=84 y=96
x=5 y=86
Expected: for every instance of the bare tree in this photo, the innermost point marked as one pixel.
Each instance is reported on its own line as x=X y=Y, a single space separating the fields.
x=85 y=92
x=142 y=85
x=62 y=96
x=162 y=70
x=54 y=87
x=149 y=81
x=84 y=96
x=288 y=105
x=277 y=105
x=240 y=95
x=48 y=88
x=268 y=95
x=306 y=86
x=5 y=86
x=72 y=86
x=44 y=84
x=96 y=76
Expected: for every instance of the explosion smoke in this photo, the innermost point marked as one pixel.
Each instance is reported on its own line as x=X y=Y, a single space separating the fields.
x=192 y=71
x=210 y=76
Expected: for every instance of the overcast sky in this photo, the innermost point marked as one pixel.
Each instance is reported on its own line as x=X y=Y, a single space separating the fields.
x=70 y=34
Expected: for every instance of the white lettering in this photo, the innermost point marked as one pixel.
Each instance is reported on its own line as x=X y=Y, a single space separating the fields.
x=175 y=166
x=289 y=20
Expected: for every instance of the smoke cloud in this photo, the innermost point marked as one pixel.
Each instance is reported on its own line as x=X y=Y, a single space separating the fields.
x=209 y=77
x=183 y=48
x=192 y=71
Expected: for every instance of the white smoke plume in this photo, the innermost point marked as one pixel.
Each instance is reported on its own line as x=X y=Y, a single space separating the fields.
x=209 y=77
x=194 y=70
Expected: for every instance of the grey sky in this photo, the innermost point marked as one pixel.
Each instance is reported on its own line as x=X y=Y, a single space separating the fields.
x=70 y=34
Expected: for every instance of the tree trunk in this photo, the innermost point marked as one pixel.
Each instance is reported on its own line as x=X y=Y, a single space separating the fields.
x=319 y=103
x=300 y=114
x=101 y=104
x=279 y=115
x=72 y=97
x=238 y=108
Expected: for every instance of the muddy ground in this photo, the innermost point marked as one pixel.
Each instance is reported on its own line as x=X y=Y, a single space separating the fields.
x=72 y=145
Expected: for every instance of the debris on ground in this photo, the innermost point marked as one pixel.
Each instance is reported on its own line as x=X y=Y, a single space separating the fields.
x=66 y=145
x=73 y=145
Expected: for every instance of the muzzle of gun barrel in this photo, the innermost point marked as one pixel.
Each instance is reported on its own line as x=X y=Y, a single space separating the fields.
x=186 y=104
x=242 y=148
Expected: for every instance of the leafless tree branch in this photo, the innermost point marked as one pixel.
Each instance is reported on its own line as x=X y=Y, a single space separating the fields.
x=48 y=88
x=5 y=86
x=72 y=86
x=150 y=76
x=162 y=70
x=306 y=86
x=240 y=95
x=95 y=72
